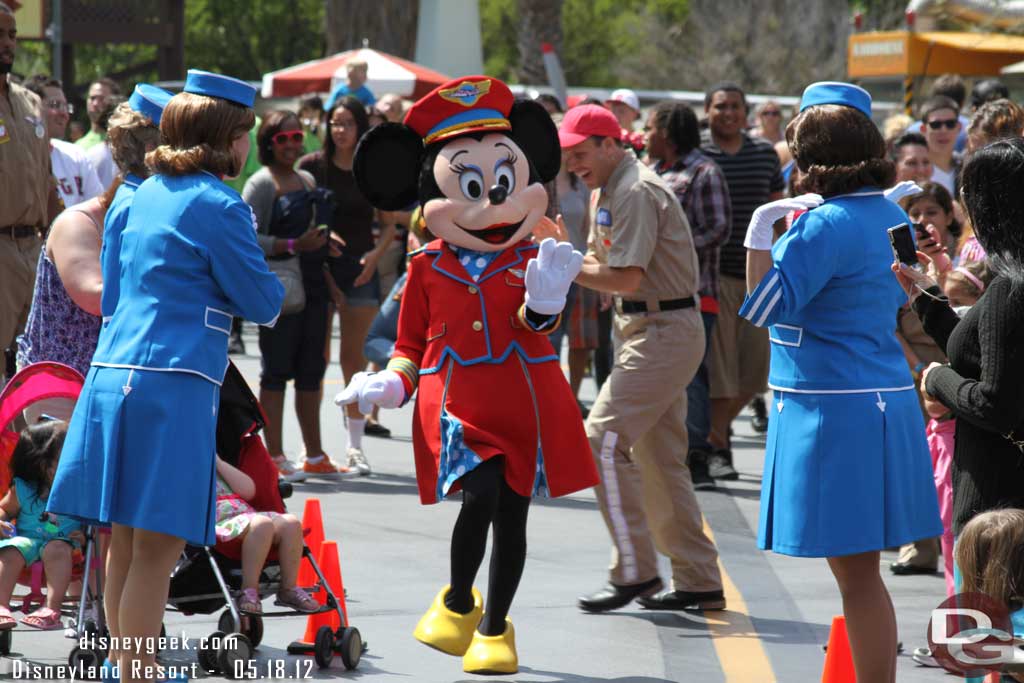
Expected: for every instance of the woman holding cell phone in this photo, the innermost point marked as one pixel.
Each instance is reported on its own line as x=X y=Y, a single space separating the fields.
x=847 y=470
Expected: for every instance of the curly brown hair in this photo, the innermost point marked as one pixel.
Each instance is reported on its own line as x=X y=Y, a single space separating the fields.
x=198 y=132
x=838 y=150
x=995 y=120
x=129 y=134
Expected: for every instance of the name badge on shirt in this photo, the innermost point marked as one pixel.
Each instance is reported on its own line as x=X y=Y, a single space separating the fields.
x=4 y=136
x=604 y=217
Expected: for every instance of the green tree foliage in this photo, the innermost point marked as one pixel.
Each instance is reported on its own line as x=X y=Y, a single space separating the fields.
x=247 y=39
x=597 y=34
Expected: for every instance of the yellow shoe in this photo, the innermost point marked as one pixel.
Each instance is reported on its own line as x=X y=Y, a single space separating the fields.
x=492 y=654
x=448 y=631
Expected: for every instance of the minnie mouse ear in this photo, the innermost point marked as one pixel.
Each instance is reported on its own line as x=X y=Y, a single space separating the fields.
x=536 y=134
x=387 y=166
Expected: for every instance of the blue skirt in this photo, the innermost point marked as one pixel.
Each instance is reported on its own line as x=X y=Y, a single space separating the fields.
x=846 y=474
x=140 y=452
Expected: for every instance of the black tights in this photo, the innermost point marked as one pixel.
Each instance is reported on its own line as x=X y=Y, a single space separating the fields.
x=487 y=500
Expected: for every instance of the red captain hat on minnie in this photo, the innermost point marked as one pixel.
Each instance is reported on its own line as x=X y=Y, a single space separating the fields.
x=462 y=105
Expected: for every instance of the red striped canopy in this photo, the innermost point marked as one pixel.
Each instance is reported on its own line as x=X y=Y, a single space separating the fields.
x=385 y=74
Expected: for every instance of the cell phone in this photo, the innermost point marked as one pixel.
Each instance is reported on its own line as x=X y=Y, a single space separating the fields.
x=903 y=248
x=922 y=232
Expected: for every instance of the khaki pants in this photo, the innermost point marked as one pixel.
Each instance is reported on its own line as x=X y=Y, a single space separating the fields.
x=18 y=260
x=637 y=431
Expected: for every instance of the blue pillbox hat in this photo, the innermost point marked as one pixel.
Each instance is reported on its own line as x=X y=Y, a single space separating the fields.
x=215 y=85
x=835 y=92
x=150 y=101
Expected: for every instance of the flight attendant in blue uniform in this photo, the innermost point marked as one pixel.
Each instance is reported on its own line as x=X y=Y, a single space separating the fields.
x=847 y=470
x=140 y=448
x=149 y=101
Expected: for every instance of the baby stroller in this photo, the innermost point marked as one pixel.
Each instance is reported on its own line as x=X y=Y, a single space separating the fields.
x=207 y=579
x=38 y=382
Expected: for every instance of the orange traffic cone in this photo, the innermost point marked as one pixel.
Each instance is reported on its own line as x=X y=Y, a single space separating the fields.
x=313 y=533
x=331 y=568
x=838 y=660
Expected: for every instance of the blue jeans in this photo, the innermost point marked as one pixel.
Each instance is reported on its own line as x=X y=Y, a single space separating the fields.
x=698 y=401
x=380 y=340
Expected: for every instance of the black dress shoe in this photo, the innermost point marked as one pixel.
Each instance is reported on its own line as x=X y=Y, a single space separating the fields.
x=759 y=420
x=372 y=428
x=614 y=596
x=904 y=569
x=684 y=600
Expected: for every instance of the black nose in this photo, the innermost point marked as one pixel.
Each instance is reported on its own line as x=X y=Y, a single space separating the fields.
x=497 y=194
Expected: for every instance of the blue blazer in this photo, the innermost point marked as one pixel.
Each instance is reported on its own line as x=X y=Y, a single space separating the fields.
x=110 y=252
x=188 y=262
x=831 y=300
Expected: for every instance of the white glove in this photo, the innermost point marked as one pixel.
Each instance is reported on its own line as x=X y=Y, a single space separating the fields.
x=759 y=232
x=384 y=388
x=549 y=275
x=906 y=188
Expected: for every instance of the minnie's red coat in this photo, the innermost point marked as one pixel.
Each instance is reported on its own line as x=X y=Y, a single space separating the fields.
x=499 y=378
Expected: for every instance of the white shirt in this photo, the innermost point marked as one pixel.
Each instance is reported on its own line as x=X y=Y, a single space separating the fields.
x=944 y=178
x=103 y=162
x=76 y=178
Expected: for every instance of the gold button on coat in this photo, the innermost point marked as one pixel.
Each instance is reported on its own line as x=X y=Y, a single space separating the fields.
x=477 y=325
x=472 y=289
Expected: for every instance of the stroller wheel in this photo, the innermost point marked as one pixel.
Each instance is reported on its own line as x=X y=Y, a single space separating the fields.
x=323 y=647
x=235 y=653
x=255 y=631
x=350 y=647
x=5 y=642
x=88 y=660
x=207 y=654
x=226 y=623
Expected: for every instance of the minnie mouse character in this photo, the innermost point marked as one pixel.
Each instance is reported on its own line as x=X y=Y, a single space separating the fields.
x=495 y=417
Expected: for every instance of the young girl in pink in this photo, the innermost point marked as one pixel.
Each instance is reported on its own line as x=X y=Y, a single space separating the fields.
x=259 y=532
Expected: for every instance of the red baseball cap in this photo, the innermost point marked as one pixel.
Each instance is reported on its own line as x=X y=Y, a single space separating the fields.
x=586 y=120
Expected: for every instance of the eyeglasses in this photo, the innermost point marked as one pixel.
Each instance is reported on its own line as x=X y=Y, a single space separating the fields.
x=771 y=112
x=340 y=125
x=284 y=136
x=57 y=105
x=948 y=123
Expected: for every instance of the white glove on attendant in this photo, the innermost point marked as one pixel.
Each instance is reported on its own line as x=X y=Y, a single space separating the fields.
x=906 y=188
x=384 y=388
x=549 y=275
x=759 y=232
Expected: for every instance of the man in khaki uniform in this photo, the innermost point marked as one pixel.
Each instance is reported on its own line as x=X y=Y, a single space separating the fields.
x=641 y=249
x=25 y=188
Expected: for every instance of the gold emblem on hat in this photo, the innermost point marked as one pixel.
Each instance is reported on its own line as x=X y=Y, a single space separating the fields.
x=466 y=93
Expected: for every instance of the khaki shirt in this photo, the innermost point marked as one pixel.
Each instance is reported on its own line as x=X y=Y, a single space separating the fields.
x=25 y=180
x=638 y=222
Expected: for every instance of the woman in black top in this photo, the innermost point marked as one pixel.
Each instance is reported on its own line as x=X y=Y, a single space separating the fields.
x=983 y=385
x=354 y=279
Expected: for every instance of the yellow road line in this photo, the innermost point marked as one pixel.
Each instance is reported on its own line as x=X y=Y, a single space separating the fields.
x=737 y=643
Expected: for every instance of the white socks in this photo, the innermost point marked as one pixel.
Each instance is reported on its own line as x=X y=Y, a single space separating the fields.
x=355 y=433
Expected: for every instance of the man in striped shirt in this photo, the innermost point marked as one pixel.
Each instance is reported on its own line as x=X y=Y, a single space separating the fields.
x=739 y=352
x=673 y=143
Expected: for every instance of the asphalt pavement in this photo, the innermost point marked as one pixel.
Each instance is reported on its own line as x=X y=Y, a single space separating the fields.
x=394 y=559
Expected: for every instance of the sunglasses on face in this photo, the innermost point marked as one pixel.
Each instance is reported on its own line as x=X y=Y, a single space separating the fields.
x=948 y=123
x=57 y=105
x=281 y=138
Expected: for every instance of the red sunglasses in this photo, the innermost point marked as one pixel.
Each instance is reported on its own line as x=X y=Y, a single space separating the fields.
x=288 y=136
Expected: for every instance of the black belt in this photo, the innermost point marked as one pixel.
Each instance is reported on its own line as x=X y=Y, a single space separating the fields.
x=17 y=232
x=666 y=305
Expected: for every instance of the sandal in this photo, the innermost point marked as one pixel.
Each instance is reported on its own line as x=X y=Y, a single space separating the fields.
x=7 y=620
x=249 y=601
x=44 y=619
x=297 y=599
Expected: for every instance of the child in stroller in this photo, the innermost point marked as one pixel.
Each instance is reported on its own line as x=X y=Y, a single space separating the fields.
x=259 y=531
x=30 y=532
